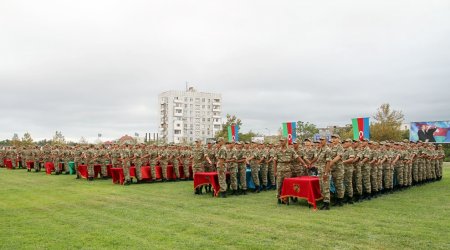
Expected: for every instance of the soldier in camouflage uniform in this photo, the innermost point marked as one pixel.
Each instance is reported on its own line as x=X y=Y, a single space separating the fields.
x=198 y=157
x=283 y=159
x=163 y=158
x=347 y=159
x=125 y=157
x=103 y=156
x=299 y=168
x=241 y=167
x=56 y=159
x=137 y=154
x=37 y=158
x=264 y=154
x=374 y=168
x=221 y=156
x=253 y=160
x=89 y=159
x=357 y=173
x=322 y=162
x=366 y=157
x=271 y=165
x=398 y=164
x=186 y=157
x=337 y=168
x=231 y=160
x=308 y=157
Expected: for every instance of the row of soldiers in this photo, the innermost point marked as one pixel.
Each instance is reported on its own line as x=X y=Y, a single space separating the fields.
x=359 y=170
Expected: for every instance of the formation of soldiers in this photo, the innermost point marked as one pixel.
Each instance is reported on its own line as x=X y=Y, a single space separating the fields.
x=358 y=170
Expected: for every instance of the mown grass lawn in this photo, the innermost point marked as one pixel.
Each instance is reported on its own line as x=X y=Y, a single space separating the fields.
x=60 y=212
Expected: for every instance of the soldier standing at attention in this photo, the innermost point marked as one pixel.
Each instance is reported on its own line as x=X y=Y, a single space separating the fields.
x=322 y=161
x=241 y=167
x=283 y=159
x=221 y=156
x=347 y=159
x=125 y=156
x=253 y=160
x=336 y=168
x=137 y=154
x=298 y=167
x=365 y=157
x=232 y=166
x=271 y=166
x=198 y=157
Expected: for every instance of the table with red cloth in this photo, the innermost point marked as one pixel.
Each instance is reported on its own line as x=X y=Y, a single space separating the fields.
x=208 y=178
x=83 y=170
x=30 y=165
x=8 y=163
x=49 y=167
x=304 y=187
x=118 y=175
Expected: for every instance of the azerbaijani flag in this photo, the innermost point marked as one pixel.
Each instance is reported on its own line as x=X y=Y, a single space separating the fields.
x=361 y=128
x=233 y=133
x=289 y=131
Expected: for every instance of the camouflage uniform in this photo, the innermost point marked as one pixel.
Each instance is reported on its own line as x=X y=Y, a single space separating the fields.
x=198 y=155
x=264 y=154
x=323 y=157
x=366 y=169
x=125 y=155
x=242 y=169
x=337 y=171
x=137 y=155
x=232 y=167
x=254 y=166
x=348 y=171
x=374 y=171
x=284 y=158
x=221 y=155
x=271 y=167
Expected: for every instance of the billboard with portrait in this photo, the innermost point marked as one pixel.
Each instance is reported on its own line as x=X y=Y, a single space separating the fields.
x=434 y=131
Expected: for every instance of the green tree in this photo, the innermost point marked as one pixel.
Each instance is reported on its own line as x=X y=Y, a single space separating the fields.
x=387 y=125
x=306 y=130
x=231 y=120
x=15 y=141
x=345 y=132
x=27 y=140
x=58 y=138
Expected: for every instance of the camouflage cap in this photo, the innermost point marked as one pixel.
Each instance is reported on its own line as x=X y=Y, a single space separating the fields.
x=348 y=140
x=220 y=139
x=322 y=137
x=439 y=145
x=335 y=136
x=307 y=139
x=198 y=139
x=365 y=139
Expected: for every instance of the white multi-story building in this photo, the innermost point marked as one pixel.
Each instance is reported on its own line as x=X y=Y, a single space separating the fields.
x=189 y=115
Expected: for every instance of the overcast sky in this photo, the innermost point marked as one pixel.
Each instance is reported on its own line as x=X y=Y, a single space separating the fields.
x=89 y=67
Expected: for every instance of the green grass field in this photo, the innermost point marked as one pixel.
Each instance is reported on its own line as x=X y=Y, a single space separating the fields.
x=60 y=212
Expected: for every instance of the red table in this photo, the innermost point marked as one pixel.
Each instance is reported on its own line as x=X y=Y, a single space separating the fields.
x=171 y=173
x=118 y=176
x=82 y=169
x=208 y=178
x=8 y=164
x=49 y=167
x=30 y=165
x=146 y=173
x=158 y=172
x=305 y=187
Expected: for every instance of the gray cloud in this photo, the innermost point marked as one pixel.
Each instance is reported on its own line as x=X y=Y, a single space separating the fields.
x=97 y=66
